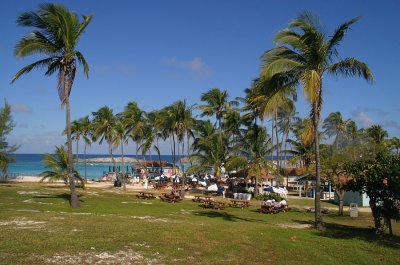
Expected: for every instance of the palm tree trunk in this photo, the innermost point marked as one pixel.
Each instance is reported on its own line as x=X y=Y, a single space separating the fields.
x=85 y=161
x=112 y=157
x=318 y=215
x=277 y=147
x=123 y=165
x=74 y=201
x=77 y=152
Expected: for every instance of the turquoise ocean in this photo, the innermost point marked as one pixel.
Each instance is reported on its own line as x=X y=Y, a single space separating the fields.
x=32 y=165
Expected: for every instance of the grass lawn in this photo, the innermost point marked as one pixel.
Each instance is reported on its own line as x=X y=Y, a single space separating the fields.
x=37 y=226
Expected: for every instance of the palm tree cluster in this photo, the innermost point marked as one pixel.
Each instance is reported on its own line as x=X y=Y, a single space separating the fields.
x=240 y=136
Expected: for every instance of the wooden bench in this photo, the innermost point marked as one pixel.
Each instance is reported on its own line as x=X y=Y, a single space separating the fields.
x=202 y=198
x=239 y=203
x=146 y=195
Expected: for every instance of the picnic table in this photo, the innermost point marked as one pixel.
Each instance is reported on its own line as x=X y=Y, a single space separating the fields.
x=213 y=204
x=170 y=197
x=160 y=185
x=146 y=195
x=239 y=203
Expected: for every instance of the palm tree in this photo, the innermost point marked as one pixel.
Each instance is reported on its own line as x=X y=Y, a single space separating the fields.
x=257 y=144
x=86 y=127
x=134 y=119
x=395 y=143
x=121 y=138
x=56 y=34
x=210 y=147
x=216 y=104
x=76 y=134
x=58 y=167
x=304 y=56
x=377 y=134
x=104 y=123
x=334 y=125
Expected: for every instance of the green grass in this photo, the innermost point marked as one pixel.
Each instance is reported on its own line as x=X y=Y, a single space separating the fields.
x=131 y=231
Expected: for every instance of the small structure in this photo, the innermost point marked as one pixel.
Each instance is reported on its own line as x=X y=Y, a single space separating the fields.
x=308 y=182
x=361 y=199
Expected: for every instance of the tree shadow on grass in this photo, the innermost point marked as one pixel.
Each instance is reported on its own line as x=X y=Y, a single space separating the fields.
x=340 y=231
x=64 y=196
x=224 y=215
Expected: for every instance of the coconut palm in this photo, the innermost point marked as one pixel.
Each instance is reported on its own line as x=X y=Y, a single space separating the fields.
x=334 y=125
x=86 y=127
x=210 y=147
x=58 y=167
x=104 y=123
x=134 y=120
x=121 y=138
x=55 y=35
x=257 y=145
x=377 y=134
x=216 y=104
x=76 y=134
x=304 y=56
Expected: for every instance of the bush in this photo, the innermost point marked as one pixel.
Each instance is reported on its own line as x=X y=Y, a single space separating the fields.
x=269 y=196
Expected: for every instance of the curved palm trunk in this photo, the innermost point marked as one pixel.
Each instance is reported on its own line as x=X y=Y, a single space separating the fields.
x=74 y=201
x=318 y=215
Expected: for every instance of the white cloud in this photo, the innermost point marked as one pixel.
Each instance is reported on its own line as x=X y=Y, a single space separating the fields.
x=196 y=65
x=362 y=119
x=20 y=108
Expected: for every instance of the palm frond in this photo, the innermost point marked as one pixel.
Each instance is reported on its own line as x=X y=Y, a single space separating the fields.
x=351 y=67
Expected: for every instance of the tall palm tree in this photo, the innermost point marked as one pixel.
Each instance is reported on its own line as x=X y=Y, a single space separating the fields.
x=304 y=56
x=121 y=138
x=377 y=134
x=55 y=35
x=210 y=147
x=257 y=145
x=104 y=123
x=134 y=120
x=57 y=164
x=76 y=134
x=334 y=125
x=216 y=104
x=86 y=126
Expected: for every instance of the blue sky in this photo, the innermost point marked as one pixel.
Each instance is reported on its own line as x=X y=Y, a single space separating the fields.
x=156 y=52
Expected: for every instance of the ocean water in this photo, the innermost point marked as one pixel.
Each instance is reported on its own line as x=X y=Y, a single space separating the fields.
x=32 y=165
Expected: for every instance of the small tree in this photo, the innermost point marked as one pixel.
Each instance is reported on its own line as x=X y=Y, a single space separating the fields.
x=6 y=126
x=378 y=175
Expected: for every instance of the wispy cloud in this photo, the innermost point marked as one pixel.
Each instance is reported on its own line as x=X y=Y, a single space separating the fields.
x=196 y=66
x=20 y=108
x=362 y=119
